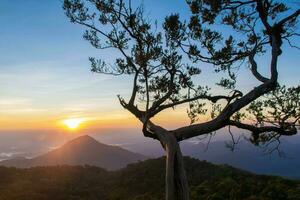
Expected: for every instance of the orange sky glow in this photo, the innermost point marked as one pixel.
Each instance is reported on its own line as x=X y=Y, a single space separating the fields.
x=117 y=119
x=45 y=73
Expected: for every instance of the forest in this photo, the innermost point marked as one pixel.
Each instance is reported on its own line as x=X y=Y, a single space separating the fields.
x=207 y=182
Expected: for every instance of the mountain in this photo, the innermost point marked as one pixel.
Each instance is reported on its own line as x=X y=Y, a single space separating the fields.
x=249 y=157
x=245 y=156
x=83 y=150
x=141 y=181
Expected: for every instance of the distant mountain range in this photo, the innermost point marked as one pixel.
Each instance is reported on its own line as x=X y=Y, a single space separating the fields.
x=246 y=155
x=83 y=150
x=249 y=157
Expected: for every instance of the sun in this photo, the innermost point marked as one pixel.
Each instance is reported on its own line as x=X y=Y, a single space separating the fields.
x=73 y=123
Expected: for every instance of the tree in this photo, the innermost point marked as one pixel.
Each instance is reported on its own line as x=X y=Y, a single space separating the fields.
x=164 y=61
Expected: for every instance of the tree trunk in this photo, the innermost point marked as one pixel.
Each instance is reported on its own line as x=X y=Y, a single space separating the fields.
x=176 y=180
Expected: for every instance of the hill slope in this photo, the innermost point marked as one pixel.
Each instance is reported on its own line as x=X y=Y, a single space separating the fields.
x=83 y=150
x=141 y=181
x=250 y=157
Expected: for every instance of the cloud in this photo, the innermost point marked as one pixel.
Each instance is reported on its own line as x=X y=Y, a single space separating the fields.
x=9 y=155
x=23 y=110
x=14 y=102
x=18 y=105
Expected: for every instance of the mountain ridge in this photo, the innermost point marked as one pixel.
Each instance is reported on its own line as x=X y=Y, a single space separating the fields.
x=83 y=150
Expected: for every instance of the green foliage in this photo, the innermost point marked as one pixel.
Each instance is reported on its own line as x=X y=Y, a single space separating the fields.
x=165 y=60
x=141 y=181
x=280 y=107
x=162 y=73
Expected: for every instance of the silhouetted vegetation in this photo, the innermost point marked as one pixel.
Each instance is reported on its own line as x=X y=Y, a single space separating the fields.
x=165 y=61
x=207 y=181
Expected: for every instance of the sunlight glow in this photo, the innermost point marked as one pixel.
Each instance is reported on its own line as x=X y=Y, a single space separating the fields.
x=73 y=123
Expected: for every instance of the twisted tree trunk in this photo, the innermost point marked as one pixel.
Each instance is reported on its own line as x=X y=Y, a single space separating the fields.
x=176 y=180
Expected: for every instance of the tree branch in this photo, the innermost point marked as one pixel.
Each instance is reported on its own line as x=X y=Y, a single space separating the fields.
x=213 y=99
x=290 y=17
x=264 y=129
x=254 y=71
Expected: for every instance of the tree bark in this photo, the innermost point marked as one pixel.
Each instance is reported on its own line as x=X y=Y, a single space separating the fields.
x=176 y=180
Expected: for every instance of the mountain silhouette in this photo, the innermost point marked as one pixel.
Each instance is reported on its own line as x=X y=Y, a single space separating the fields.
x=83 y=150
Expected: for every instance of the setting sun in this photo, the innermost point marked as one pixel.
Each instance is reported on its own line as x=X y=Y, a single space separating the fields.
x=72 y=123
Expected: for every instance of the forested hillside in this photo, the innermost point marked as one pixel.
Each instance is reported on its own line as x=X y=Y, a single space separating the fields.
x=141 y=181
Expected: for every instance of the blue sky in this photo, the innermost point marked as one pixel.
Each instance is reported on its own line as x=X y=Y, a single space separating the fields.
x=45 y=77
x=45 y=73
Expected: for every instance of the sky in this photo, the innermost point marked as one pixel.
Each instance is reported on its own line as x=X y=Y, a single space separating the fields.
x=45 y=74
